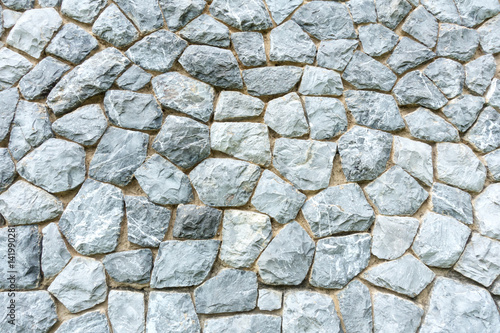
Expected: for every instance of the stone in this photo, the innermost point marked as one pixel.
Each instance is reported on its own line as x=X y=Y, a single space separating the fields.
x=406 y=275
x=269 y=299
x=132 y=110
x=157 y=51
x=463 y=111
x=206 y=30
x=362 y=11
x=129 y=266
x=415 y=158
x=19 y=4
x=364 y=153
x=8 y=102
x=486 y=208
x=308 y=311
x=145 y=14
x=249 y=47
x=72 y=44
x=451 y=201
x=24 y=203
x=94 y=320
x=479 y=72
x=409 y=54
x=493 y=162
x=242 y=15
x=42 y=78
x=336 y=54
x=356 y=307
x=338 y=209
x=484 y=136
x=281 y=9
x=81 y=285
x=425 y=125
x=7 y=169
x=287 y=258
x=391 y=12
x=450 y=310
x=395 y=192
x=320 y=82
x=489 y=35
x=49 y=3
x=325 y=20
x=55 y=254
x=288 y=42
x=196 y=222
x=493 y=94
x=473 y=13
x=422 y=26
x=243 y=140
x=113 y=27
x=91 y=221
x=307 y=164
x=457 y=42
x=183 y=263
x=415 y=88
x=339 y=259
x=233 y=105
x=231 y=290
x=33 y=30
x=84 y=11
x=285 y=115
x=163 y=182
x=13 y=66
x=377 y=39
x=94 y=76
x=448 y=75
x=126 y=311
x=443 y=10
x=395 y=314
x=374 y=110
x=458 y=166
x=392 y=236
x=171 y=313
x=327 y=117
x=224 y=182
x=147 y=223
x=215 y=66
x=56 y=166
x=364 y=72
x=85 y=125
x=244 y=324
x=118 y=155
x=178 y=13
x=267 y=81
x=183 y=141
x=184 y=94
x=134 y=78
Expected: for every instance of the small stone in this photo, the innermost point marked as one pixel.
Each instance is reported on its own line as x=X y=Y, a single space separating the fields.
x=489 y=35
x=224 y=182
x=473 y=13
x=21 y=5
x=118 y=155
x=249 y=47
x=285 y=116
x=7 y=169
x=415 y=158
x=276 y=80
x=81 y=285
x=443 y=10
x=13 y=66
x=425 y=125
x=287 y=258
x=409 y=54
x=364 y=72
x=486 y=210
x=493 y=95
x=281 y=9
x=231 y=290
x=479 y=72
x=40 y=80
x=95 y=320
x=126 y=311
x=336 y=54
x=183 y=263
x=493 y=162
x=241 y=14
x=129 y=266
x=49 y=3
x=395 y=314
x=463 y=111
x=290 y=43
x=134 y=78
x=484 y=136
x=327 y=117
x=356 y=307
x=72 y=44
x=377 y=39
x=269 y=299
x=196 y=222
x=362 y=11
x=457 y=42
x=448 y=75
x=171 y=313
x=393 y=235
x=113 y=27
x=55 y=254
x=422 y=26
x=233 y=105
x=145 y=14
x=178 y=13
x=8 y=102
x=84 y=11
x=320 y=82
x=415 y=88
x=243 y=324
x=206 y=30
x=391 y=12
x=450 y=201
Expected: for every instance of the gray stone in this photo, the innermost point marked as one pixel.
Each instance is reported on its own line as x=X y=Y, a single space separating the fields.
x=327 y=117
x=91 y=221
x=163 y=182
x=448 y=75
x=484 y=136
x=196 y=222
x=145 y=14
x=246 y=141
x=184 y=94
x=243 y=324
x=113 y=27
x=486 y=210
x=422 y=26
x=307 y=311
x=449 y=310
x=90 y=321
x=457 y=42
x=129 y=266
x=414 y=157
x=178 y=13
x=8 y=103
x=415 y=88
x=183 y=263
x=473 y=13
x=147 y=223
x=494 y=289
x=269 y=299
x=285 y=116
x=281 y=9
x=7 y=169
x=157 y=51
x=72 y=44
x=336 y=54
x=84 y=11
x=493 y=162
x=249 y=47
x=409 y=54
x=356 y=307
x=39 y=81
x=406 y=275
x=290 y=43
x=55 y=254
x=489 y=35
x=233 y=105
x=307 y=164
x=377 y=39
x=224 y=182
x=479 y=72
x=391 y=12
x=171 y=313
x=392 y=236
x=81 y=285
x=133 y=78
x=13 y=66
x=19 y=4
x=206 y=30
x=319 y=81
x=231 y=290
x=286 y=260
x=458 y=166
x=364 y=72
x=271 y=80
x=362 y=11
x=425 y=125
x=395 y=314
x=463 y=111
x=94 y=76
x=49 y=3
x=118 y=155
x=85 y=125
x=126 y=311
x=450 y=201
x=241 y=14
x=443 y=10
x=493 y=94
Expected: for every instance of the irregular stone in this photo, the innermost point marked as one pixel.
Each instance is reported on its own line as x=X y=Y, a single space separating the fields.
x=362 y=11
x=319 y=81
x=39 y=81
x=19 y=4
x=271 y=80
x=233 y=105
x=196 y=222
x=242 y=15
x=183 y=263
x=178 y=13
x=49 y=3
x=72 y=44
x=8 y=103
x=113 y=27
x=415 y=88
x=443 y=10
x=463 y=111
x=450 y=201
x=249 y=47
x=479 y=72
x=391 y=12
x=285 y=116
x=493 y=94
x=286 y=260
x=89 y=321
x=473 y=13
x=91 y=221
x=84 y=11
x=145 y=14
x=409 y=54
x=269 y=299
x=134 y=78
x=364 y=72
x=244 y=324
x=336 y=54
x=422 y=26
x=356 y=307
x=425 y=125
x=7 y=169
x=206 y=30
x=327 y=117
x=457 y=42
x=493 y=162
x=448 y=75
x=290 y=43
x=484 y=136
x=281 y=9
x=392 y=236
x=377 y=39
x=55 y=254
x=171 y=313
x=486 y=209
x=126 y=311
x=13 y=66
x=489 y=35
x=415 y=158
x=129 y=266
x=395 y=314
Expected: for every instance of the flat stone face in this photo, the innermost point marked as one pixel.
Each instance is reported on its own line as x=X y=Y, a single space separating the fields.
x=286 y=260
x=233 y=105
x=134 y=78
x=8 y=103
x=281 y=9
x=307 y=164
x=318 y=81
x=178 y=13
x=269 y=299
x=493 y=162
x=91 y=221
x=450 y=201
x=242 y=15
x=285 y=116
x=112 y=26
x=377 y=39
x=448 y=75
x=92 y=320
x=7 y=169
x=307 y=311
x=489 y=35
x=327 y=117
x=183 y=263
x=395 y=314
x=174 y=311
x=13 y=66
x=486 y=208
x=484 y=136
x=55 y=254
x=249 y=47
x=493 y=94
x=391 y=12
x=39 y=81
x=409 y=54
x=206 y=30
x=244 y=324
x=425 y=125
x=392 y=236
x=356 y=307
x=266 y=81
x=463 y=111
x=72 y=44
x=479 y=72
x=414 y=157
x=129 y=266
x=126 y=311
x=81 y=285
x=474 y=13
x=364 y=72
x=416 y=89
x=422 y=26
x=457 y=42
x=145 y=14
x=444 y=10
x=231 y=290
x=196 y=222
x=362 y=11
x=336 y=54
x=83 y=11
x=290 y=43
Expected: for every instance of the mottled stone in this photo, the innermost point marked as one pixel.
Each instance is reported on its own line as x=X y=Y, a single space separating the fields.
x=113 y=27
x=90 y=321
x=84 y=11
x=362 y=11
x=13 y=66
x=19 y=4
x=327 y=117
x=493 y=162
x=484 y=136
x=233 y=105
x=49 y=3
x=475 y=12
x=40 y=80
x=392 y=12
x=72 y=44
x=392 y=236
x=249 y=47
x=422 y=26
x=319 y=81
x=336 y=54
x=285 y=115
x=486 y=210
x=443 y=10
x=290 y=43
x=126 y=311
x=364 y=72
x=356 y=307
x=145 y=14
x=242 y=14
x=271 y=80
x=134 y=78
x=448 y=75
x=7 y=169
x=395 y=314
x=171 y=313
x=269 y=299
x=178 y=13
x=489 y=35
x=377 y=39
x=414 y=157
x=415 y=88
x=196 y=222
x=425 y=125
x=206 y=30
x=457 y=42
x=8 y=102
x=129 y=266
x=450 y=201
x=479 y=72
x=493 y=94
x=281 y=9
x=243 y=324
x=409 y=54
x=463 y=111
x=55 y=254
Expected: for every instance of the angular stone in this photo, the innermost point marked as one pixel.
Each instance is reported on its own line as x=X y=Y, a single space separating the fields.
x=409 y=54
x=129 y=266
x=422 y=26
x=489 y=35
x=84 y=11
x=414 y=157
x=281 y=9
x=196 y=222
x=443 y=10
x=377 y=39
x=55 y=254
x=242 y=15
x=8 y=102
x=171 y=313
x=319 y=81
x=486 y=209
x=134 y=78
x=95 y=320
x=448 y=75
x=271 y=80
x=457 y=42
x=327 y=117
x=206 y=30
x=249 y=47
x=425 y=125
x=479 y=72
x=285 y=116
x=473 y=13
x=450 y=201
x=7 y=169
x=126 y=311
x=243 y=324
x=362 y=11
x=178 y=13
x=269 y=299
x=19 y=4
x=493 y=94
x=356 y=307
x=13 y=66
x=392 y=236
x=415 y=88
x=183 y=263
x=463 y=111
x=493 y=162
x=391 y=12
x=290 y=43
x=72 y=44
x=336 y=54
x=233 y=105
x=364 y=72
x=39 y=81
x=113 y=27
x=484 y=136
x=395 y=314
x=91 y=221
x=145 y=14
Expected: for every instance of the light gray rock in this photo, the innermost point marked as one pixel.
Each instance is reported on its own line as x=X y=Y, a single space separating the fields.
x=224 y=182
x=19 y=4
x=49 y=3
x=72 y=44
x=126 y=311
x=84 y=11
x=40 y=80
x=392 y=236
x=443 y=10
x=206 y=30
x=479 y=72
x=13 y=66
x=183 y=263
x=409 y=54
x=286 y=260
x=356 y=307
x=113 y=27
x=364 y=72
x=129 y=266
x=493 y=94
x=422 y=26
x=233 y=105
x=8 y=103
x=327 y=117
x=196 y=222
x=118 y=155
x=171 y=313
x=489 y=35
x=391 y=12
x=242 y=15
x=377 y=39
x=285 y=116
x=494 y=289
x=307 y=164
x=145 y=14
x=178 y=13
x=463 y=111
x=7 y=169
x=415 y=88
x=55 y=254
x=91 y=221
x=319 y=81
x=362 y=11
x=290 y=43
x=493 y=162
x=90 y=321
x=486 y=210
x=249 y=47
x=281 y=9
x=425 y=125
x=473 y=13
x=448 y=75
x=336 y=54
x=457 y=42
x=414 y=157
x=276 y=80
x=450 y=201
x=244 y=324
x=484 y=136
x=395 y=314
x=134 y=78
x=269 y=299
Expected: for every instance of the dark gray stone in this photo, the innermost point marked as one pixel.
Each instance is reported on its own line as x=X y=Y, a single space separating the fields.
x=7 y=169
x=55 y=254
x=409 y=54
x=270 y=299
x=473 y=13
x=450 y=201
x=271 y=80
x=425 y=125
x=493 y=162
x=243 y=324
x=40 y=80
x=233 y=105
x=486 y=210
x=489 y=35
x=364 y=72
x=362 y=11
x=126 y=311
x=178 y=13
x=377 y=39
x=145 y=14
x=336 y=54
x=484 y=136
x=393 y=235
x=457 y=42
x=134 y=78
x=415 y=158
x=84 y=11
x=415 y=88
x=448 y=75
x=8 y=103
x=206 y=30
x=72 y=44
x=285 y=115
x=242 y=14
x=463 y=111
x=479 y=72
x=356 y=307
x=172 y=313
x=129 y=266
x=196 y=222
x=422 y=26
x=113 y=27
x=395 y=314
x=290 y=43
x=90 y=321
x=320 y=82
x=13 y=66
x=249 y=47
x=327 y=117
x=391 y=12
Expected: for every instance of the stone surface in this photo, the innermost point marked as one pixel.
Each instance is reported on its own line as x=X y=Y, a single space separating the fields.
x=269 y=299
x=72 y=44
x=290 y=43
x=134 y=78
x=242 y=15
x=475 y=12
x=89 y=321
x=249 y=47
x=414 y=157
x=425 y=125
x=392 y=236
x=493 y=94
x=55 y=254
x=129 y=266
x=450 y=201
x=489 y=35
x=463 y=111
x=172 y=313
x=285 y=115
x=126 y=311
x=336 y=54
x=356 y=307
x=19 y=4
x=7 y=169
x=8 y=102
x=113 y=27
x=479 y=72
x=364 y=72
x=362 y=11
x=377 y=39
x=266 y=81
x=84 y=11
x=422 y=26
x=233 y=105
x=196 y=222
x=326 y=116
x=145 y=14
x=40 y=80
x=493 y=162
x=484 y=136
x=486 y=209
x=206 y=30
x=448 y=75
x=395 y=314
x=443 y=10
x=457 y=42
x=392 y=12
x=320 y=82
x=244 y=324
x=178 y=13
x=13 y=66
x=281 y=9
x=409 y=54
x=415 y=88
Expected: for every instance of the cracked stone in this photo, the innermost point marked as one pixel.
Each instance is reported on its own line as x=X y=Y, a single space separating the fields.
x=443 y=10
x=415 y=88
x=55 y=254
x=391 y=12
x=489 y=35
x=206 y=30
x=364 y=72
x=479 y=72
x=484 y=136
x=134 y=78
x=72 y=44
x=422 y=26
x=269 y=299
x=84 y=11
x=171 y=312
x=8 y=103
x=145 y=14
x=463 y=111
x=425 y=125
x=362 y=11
x=249 y=47
x=281 y=9
x=95 y=320
x=7 y=169
x=457 y=42
x=319 y=81
x=336 y=54
x=486 y=210
x=473 y=13
x=493 y=95
x=178 y=13
x=356 y=307
x=126 y=311
x=113 y=27
x=129 y=266
x=196 y=222
x=377 y=39
x=242 y=14
x=448 y=75
x=285 y=116
x=393 y=235
x=13 y=66
x=276 y=80
x=290 y=43
x=42 y=78
x=415 y=158
x=233 y=105
x=327 y=117
x=395 y=314
x=409 y=54
x=493 y=162
x=450 y=201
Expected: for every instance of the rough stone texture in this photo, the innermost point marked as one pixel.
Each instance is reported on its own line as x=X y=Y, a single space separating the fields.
x=415 y=88
x=13 y=66
x=320 y=82
x=84 y=11
x=448 y=75
x=479 y=72
x=266 y=81
x=281 y=9
x=290 y=43
x=444 y=10
x=249 y=47
x=450 y=201
x=55 y=254
x=489 y=35
x=285 y=116
x=327 y=117
x=336 y=54
x=206 y=30
x=89 y=321
x=242 y=15
x=145 y=14
x=392 y=236
x=178 y=13
x=113 y=27
x=126 y=311
x=171 y=313
x=129 y=266
x=364 y=72
x=134 y=78
x=196 y=222
x=457 y=42
x=244 y=324
x=72 y=44
x=40 y=80
x=484 y=136
x=486 y=209
x=425 y=125
x=475 y=12
x=493 y=94
x=233 y=105
x=493 y=162
x=395 y=314
x=362 y=11
x=422 y=26
x=356 y=307
x=19 y=4
x=7 y=169
x=392 y=12
x=414 y=157
x=409 y=54
x=8 y=102
x=463 y=111
x=269 y=299
x=377 y=39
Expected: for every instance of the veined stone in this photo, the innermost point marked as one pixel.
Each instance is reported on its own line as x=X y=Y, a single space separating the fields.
x=242 y=14
x=486 y=210
x=463 y=111
x=134 y=78
x=206 y=30
x=415 y=88
x=13 y=66
x=285 y=116
x=244 y=324
x=89 y=321
x=40 y=80
x=336 y=54
x=408 y=54
x=356 y=307
x=422 y=26
x=392 y=236
x=113 y=27
x=489 y=35
x=392 y=12
x=425 y=125
x=83 y=11
x=126 y=311
x=233 y=105
x=414 y=157
x=484 y=135
x=318 y=81
x=377 y=39
x=493 y=162
x=290 y=43
x=72 y=44
x=7 y=169
x=475 y=12
x=8 y=102
x=362 y=11
x=145 y=14
x=196 y=222
x=364 y=72
x=451 y=201
x=249 y=47
x=457 y=42
x=448 y=75
x=443 y=10
x=171 y=313
x=55 y=254
x=129 y=266
x=326 y=115
x=265 y=81
x=281 y=9
x=178 y=13
x=479 y=72
x=395 y=314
